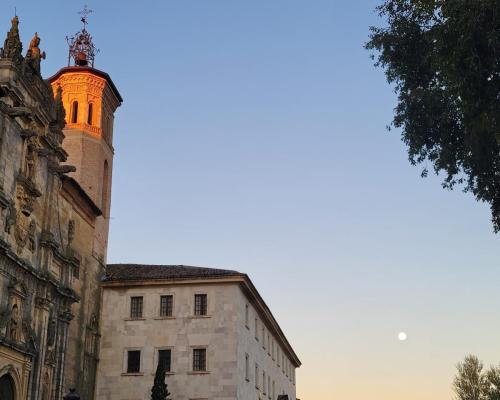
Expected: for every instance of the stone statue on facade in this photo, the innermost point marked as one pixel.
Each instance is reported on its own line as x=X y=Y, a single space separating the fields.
x=34 y=56
x=14 y=323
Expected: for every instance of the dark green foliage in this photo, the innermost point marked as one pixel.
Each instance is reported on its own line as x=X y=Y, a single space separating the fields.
x=472 y=383
x=160 y=390
x=443 y=56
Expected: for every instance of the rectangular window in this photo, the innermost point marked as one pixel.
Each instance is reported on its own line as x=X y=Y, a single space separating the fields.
x=272 y=350
x=256 y=375
x=136 y=307
x=268 y=344
x=256 y=329
x=263 y=337
x=165 y=359
x=283 y=362
x=133 y=361
x=199 y=359
x=200 y=304
x=166 y=305
x=247 y=315
x=274 y=389
x=247 y=367
x=269 y=386
x=278 y=356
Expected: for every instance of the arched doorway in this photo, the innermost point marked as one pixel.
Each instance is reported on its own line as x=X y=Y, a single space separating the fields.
x=7 y=388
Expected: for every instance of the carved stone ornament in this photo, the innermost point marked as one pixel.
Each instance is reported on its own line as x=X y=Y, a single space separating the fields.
x=13 y=47
x=10 y=218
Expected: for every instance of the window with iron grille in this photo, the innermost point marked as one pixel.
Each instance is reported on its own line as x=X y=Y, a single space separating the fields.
x=136 y=307
x=166 y=305
x=165 y=359
x=199 y=359
x=200 y=304
x=133 y=361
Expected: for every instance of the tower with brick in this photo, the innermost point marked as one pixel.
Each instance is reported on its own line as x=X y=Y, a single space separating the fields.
x=90 y=99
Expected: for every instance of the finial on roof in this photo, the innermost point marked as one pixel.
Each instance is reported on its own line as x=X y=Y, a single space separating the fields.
x=13 y=47
x=81 y=46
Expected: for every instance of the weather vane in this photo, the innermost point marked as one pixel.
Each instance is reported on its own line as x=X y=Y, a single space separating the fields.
x=81 y=46
x=85 y=13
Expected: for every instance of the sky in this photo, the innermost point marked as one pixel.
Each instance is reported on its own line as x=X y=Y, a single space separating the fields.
x=252 y=136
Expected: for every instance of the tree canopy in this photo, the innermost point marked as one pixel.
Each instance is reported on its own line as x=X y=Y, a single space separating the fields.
x=443 y=58
x=473 y=383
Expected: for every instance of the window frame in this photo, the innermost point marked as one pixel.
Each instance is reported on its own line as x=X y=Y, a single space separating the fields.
x=193 y=352
x=166 y=315
x=157 y=359
x=131 y=310
x=126 y=368
x=199 y=313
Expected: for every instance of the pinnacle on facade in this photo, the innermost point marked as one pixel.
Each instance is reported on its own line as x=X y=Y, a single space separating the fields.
x=13 y=47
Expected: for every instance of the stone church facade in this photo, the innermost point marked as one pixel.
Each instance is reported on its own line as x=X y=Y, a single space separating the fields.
x=56 y=159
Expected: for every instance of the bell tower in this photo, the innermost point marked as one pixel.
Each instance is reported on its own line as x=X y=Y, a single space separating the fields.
x=90 y=100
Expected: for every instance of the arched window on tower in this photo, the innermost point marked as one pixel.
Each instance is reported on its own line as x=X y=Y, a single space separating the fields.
x=105 y=189
x=89 y=115
x=74 y=113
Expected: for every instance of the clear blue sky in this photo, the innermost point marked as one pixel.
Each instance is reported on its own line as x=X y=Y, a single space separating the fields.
x=252 y=136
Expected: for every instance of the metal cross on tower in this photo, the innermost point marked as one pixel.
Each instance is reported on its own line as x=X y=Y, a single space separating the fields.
x=85 y=13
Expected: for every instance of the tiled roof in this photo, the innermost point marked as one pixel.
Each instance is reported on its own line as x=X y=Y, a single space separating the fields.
x=137 y=272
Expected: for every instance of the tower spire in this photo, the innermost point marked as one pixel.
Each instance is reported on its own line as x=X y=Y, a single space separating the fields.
x=81 y=47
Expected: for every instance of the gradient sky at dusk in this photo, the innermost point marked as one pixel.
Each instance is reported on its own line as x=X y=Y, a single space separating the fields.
x=253 y=137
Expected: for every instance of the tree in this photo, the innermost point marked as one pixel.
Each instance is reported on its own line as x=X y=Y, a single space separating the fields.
x=493 y=381
x=160 y=390
x=472 y=383
x=442 y=56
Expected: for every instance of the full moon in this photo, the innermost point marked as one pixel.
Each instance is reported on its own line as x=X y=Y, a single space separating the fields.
x=402 y=336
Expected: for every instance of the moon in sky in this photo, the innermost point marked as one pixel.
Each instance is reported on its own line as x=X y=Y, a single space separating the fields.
x=402 y=336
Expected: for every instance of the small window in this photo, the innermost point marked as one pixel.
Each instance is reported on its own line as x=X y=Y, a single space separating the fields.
x=263 y=337
x=165 y=359
x=89 y=115
x=136 y=307
x=269 y=387
x=247 y=315
x=166 y=305
x=256 y=329
x=74 y=113
x=134 y=361
x=263 y=383
x=200 y=304
x=274 y=389
x=199 y=359
x=247 y=367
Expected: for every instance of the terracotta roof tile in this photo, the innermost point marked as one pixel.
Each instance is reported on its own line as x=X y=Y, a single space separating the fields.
x=134 y=272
